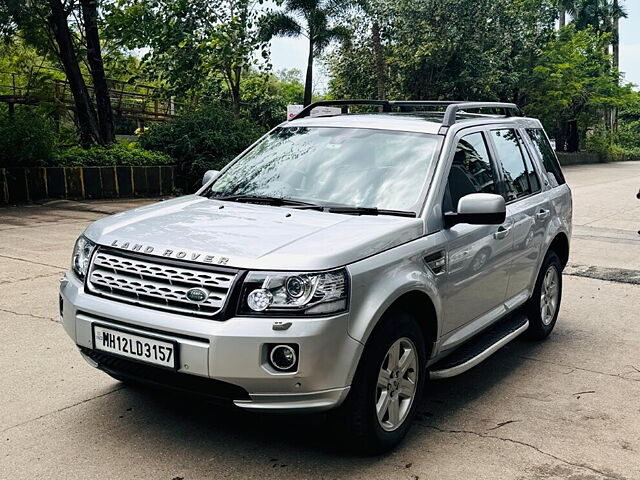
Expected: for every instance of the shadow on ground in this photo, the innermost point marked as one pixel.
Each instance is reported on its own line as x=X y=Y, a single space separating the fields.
x=178 y=420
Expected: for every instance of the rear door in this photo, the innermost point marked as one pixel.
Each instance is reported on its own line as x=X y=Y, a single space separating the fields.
x=526 y=210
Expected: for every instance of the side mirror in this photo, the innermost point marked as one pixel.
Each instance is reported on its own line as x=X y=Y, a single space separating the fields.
x=478 y=209
x=209 y=175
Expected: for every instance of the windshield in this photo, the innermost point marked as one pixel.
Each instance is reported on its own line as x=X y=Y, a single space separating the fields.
x=334 y=166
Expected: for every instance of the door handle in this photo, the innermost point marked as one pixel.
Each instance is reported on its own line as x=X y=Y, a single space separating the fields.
x=503 y=232
x=542 y=214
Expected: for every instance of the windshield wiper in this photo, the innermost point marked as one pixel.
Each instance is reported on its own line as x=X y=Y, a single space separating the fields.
x=369 y=211
x=267 y=200
x=280 y=202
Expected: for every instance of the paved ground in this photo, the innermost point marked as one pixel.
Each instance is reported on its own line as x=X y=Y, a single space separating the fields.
x=565 y=408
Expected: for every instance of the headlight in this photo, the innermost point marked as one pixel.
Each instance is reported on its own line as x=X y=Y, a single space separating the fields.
x=82 y=256
x=290 y=293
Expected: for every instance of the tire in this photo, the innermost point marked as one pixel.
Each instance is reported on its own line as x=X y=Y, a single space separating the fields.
x=358 y=416
x=544 y=305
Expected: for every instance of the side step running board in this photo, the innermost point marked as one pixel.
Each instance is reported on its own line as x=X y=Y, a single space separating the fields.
x=480 y=348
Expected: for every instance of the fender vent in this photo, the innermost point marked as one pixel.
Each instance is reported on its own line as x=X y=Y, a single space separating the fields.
x=437 y=262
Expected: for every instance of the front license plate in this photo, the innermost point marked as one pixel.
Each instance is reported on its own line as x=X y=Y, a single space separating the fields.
x=137 y=347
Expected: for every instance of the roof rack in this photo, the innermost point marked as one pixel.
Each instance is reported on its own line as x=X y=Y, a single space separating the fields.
x=450 y=114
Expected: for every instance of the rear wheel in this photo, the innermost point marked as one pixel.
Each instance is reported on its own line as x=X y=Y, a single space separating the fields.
x=386 y=389
x=544 y=305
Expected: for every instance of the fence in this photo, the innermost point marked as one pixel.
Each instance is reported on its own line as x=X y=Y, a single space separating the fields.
x=578 y=158
x=20 y=184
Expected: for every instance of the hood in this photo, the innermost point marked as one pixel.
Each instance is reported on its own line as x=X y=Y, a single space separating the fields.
x=251 y=236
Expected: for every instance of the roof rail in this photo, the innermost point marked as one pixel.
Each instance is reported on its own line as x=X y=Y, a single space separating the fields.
x=450 y=114
x=510 y=110
x=306 y=111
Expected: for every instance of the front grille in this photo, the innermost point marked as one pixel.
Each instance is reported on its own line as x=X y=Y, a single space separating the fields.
x=149 y=283
x=123 y=369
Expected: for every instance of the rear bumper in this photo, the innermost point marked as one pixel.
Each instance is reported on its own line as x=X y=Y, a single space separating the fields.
x=225 y=361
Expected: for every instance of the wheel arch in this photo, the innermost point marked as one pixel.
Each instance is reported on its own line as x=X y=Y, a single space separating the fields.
x=560 y=245
x=420 y=306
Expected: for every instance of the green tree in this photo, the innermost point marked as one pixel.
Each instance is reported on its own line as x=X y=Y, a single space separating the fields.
x=450 y=49
x=572 y=84
x=311 y=19
x=268 y=95
x=207 y=138
x=565 y=7
x=601 y=15
x=354 y=67
x=68 y=30
x=195 y=47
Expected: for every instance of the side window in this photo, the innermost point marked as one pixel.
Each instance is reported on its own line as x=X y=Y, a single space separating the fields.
x=546 y=154
x=470 y=171
x=528 y=161
x=520 y=178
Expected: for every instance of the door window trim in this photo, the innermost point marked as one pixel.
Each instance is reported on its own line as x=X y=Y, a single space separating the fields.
x=497 y=178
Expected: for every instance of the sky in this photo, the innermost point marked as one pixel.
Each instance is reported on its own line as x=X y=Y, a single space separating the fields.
x=630 y=42
x=292 y=52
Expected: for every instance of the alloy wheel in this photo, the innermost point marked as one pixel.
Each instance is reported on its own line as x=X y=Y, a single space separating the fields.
x=549 y=294
x=397 y=384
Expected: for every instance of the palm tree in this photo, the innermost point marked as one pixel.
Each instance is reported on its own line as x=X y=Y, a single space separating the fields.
x=602 y=15
x=311 y=19
x=379 y=58
x=599 y=14
x=617 y=12
x=564 y=7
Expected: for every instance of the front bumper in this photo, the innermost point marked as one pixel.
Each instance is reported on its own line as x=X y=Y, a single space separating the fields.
x=231 y=352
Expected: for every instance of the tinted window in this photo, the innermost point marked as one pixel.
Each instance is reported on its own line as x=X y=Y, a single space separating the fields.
x=547 y=155
x=528 y=161
x=518 y=178
x=470 y=171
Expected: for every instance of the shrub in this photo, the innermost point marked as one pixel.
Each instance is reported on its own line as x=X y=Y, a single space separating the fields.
x=27 y=138
x=613 y=147
x=115 y=155
x=600 y=142
x=204 y=139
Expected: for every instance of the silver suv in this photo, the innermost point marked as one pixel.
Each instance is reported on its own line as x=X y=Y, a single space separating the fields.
x=336 y=264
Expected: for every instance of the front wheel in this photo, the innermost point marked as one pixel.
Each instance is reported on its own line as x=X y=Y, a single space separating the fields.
x=544 y=305
x=386 y=389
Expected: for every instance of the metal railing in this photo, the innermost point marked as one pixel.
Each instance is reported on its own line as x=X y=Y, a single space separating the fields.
x=137 y=101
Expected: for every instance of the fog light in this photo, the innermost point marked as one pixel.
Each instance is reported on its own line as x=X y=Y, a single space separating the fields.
x=259 y=299
x=283 y=357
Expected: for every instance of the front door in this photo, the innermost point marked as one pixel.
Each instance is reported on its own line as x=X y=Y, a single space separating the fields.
x=478 y=255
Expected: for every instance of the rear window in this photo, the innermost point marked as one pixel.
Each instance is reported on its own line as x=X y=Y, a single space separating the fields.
x=519 y=177
x=547 y=155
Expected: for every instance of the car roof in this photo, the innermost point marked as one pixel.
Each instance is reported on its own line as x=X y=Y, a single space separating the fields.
x=418 y=122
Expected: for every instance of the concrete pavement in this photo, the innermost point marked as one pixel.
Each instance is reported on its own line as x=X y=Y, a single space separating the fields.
x=565 y=408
